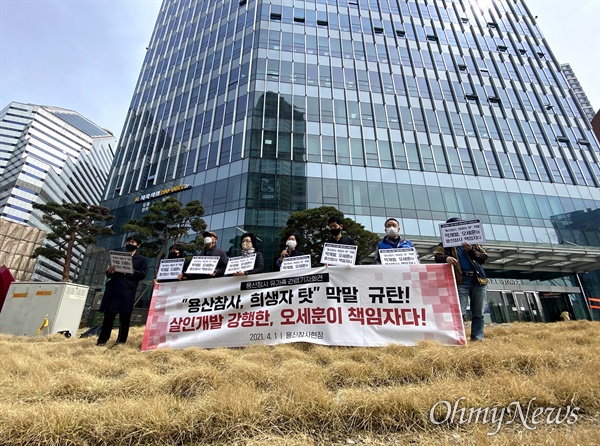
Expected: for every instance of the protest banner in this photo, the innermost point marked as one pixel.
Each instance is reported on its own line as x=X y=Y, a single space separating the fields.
x=454 y=234
x=170 y=269
x=346 y=306
x=399 y=256
x=334 y=254
x=296 y=263
x=122 y=261
x=241 y=263
x=203 y=265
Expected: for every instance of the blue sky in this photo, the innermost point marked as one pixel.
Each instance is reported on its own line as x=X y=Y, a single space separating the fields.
x=86 y=55
x=82 y=55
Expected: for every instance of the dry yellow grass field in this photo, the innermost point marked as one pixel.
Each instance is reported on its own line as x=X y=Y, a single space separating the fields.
x=58 y=391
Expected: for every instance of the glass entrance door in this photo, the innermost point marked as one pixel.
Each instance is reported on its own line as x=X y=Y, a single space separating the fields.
x=521 y=306
x=512 y=311
x=533 y=299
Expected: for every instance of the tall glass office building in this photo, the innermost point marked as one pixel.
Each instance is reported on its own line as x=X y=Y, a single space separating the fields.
x=419 y=110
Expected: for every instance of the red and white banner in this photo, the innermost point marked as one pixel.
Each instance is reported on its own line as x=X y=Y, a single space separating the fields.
x=368 y=306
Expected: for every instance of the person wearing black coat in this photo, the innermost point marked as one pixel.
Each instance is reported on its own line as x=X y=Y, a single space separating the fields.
x=119 y=295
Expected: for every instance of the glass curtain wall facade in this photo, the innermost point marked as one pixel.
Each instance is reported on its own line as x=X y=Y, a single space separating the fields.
x=419 y=110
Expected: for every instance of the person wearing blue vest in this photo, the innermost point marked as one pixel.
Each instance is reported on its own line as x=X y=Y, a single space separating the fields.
x=392 y=239
x=471 y=280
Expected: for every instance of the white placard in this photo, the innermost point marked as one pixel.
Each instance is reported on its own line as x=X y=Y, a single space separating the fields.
x=203 y=265
x=296 y=263
x=454 y=234
x=399 y=256
x=122 y=261
x=334 y=254
x=170 y=269
x=242 y=263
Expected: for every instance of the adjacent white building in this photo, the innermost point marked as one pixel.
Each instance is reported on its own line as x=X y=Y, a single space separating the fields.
x=50 y=154
x=574 y=84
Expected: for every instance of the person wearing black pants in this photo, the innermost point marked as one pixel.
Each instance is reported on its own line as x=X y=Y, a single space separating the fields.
x=119 y=295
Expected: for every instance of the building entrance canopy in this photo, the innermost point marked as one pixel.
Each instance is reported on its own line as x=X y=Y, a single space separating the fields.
x=527 y=257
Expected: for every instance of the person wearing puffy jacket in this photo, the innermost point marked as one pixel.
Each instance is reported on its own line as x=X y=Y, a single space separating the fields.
x=391 y=240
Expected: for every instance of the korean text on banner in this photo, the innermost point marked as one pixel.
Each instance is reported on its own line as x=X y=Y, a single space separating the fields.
x=296 y=263
x=399 y=256
x=122 y=261
x=348 y=306
x=334 y=254
x=170 y=269
x=241 y=263
x=454 y=234
x=203 y=265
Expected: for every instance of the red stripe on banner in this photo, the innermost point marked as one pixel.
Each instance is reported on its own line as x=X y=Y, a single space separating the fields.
x=595 y=307
x=151 y=325
x=595 y=299
x=459 y=325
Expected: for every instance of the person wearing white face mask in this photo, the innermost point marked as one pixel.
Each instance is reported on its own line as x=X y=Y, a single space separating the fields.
x=248 y=246
x=290 y=251
x=392 y=239
x=210 y=249
x=119 y=295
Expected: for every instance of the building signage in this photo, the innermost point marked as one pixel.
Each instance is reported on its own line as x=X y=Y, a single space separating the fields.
x=160 y=193
x=505 y=281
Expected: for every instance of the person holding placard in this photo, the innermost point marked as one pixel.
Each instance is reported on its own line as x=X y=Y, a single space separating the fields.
x=211 y=250
x=175 y=252
x=291 y=244
x=391 y=240
x=336 y=226
x=119 y=295
x=471 y=280
x=248 y=245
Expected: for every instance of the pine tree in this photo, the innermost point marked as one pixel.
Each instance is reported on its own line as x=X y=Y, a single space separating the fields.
x=70 y=224
x=165 y=221
x=311 y=227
